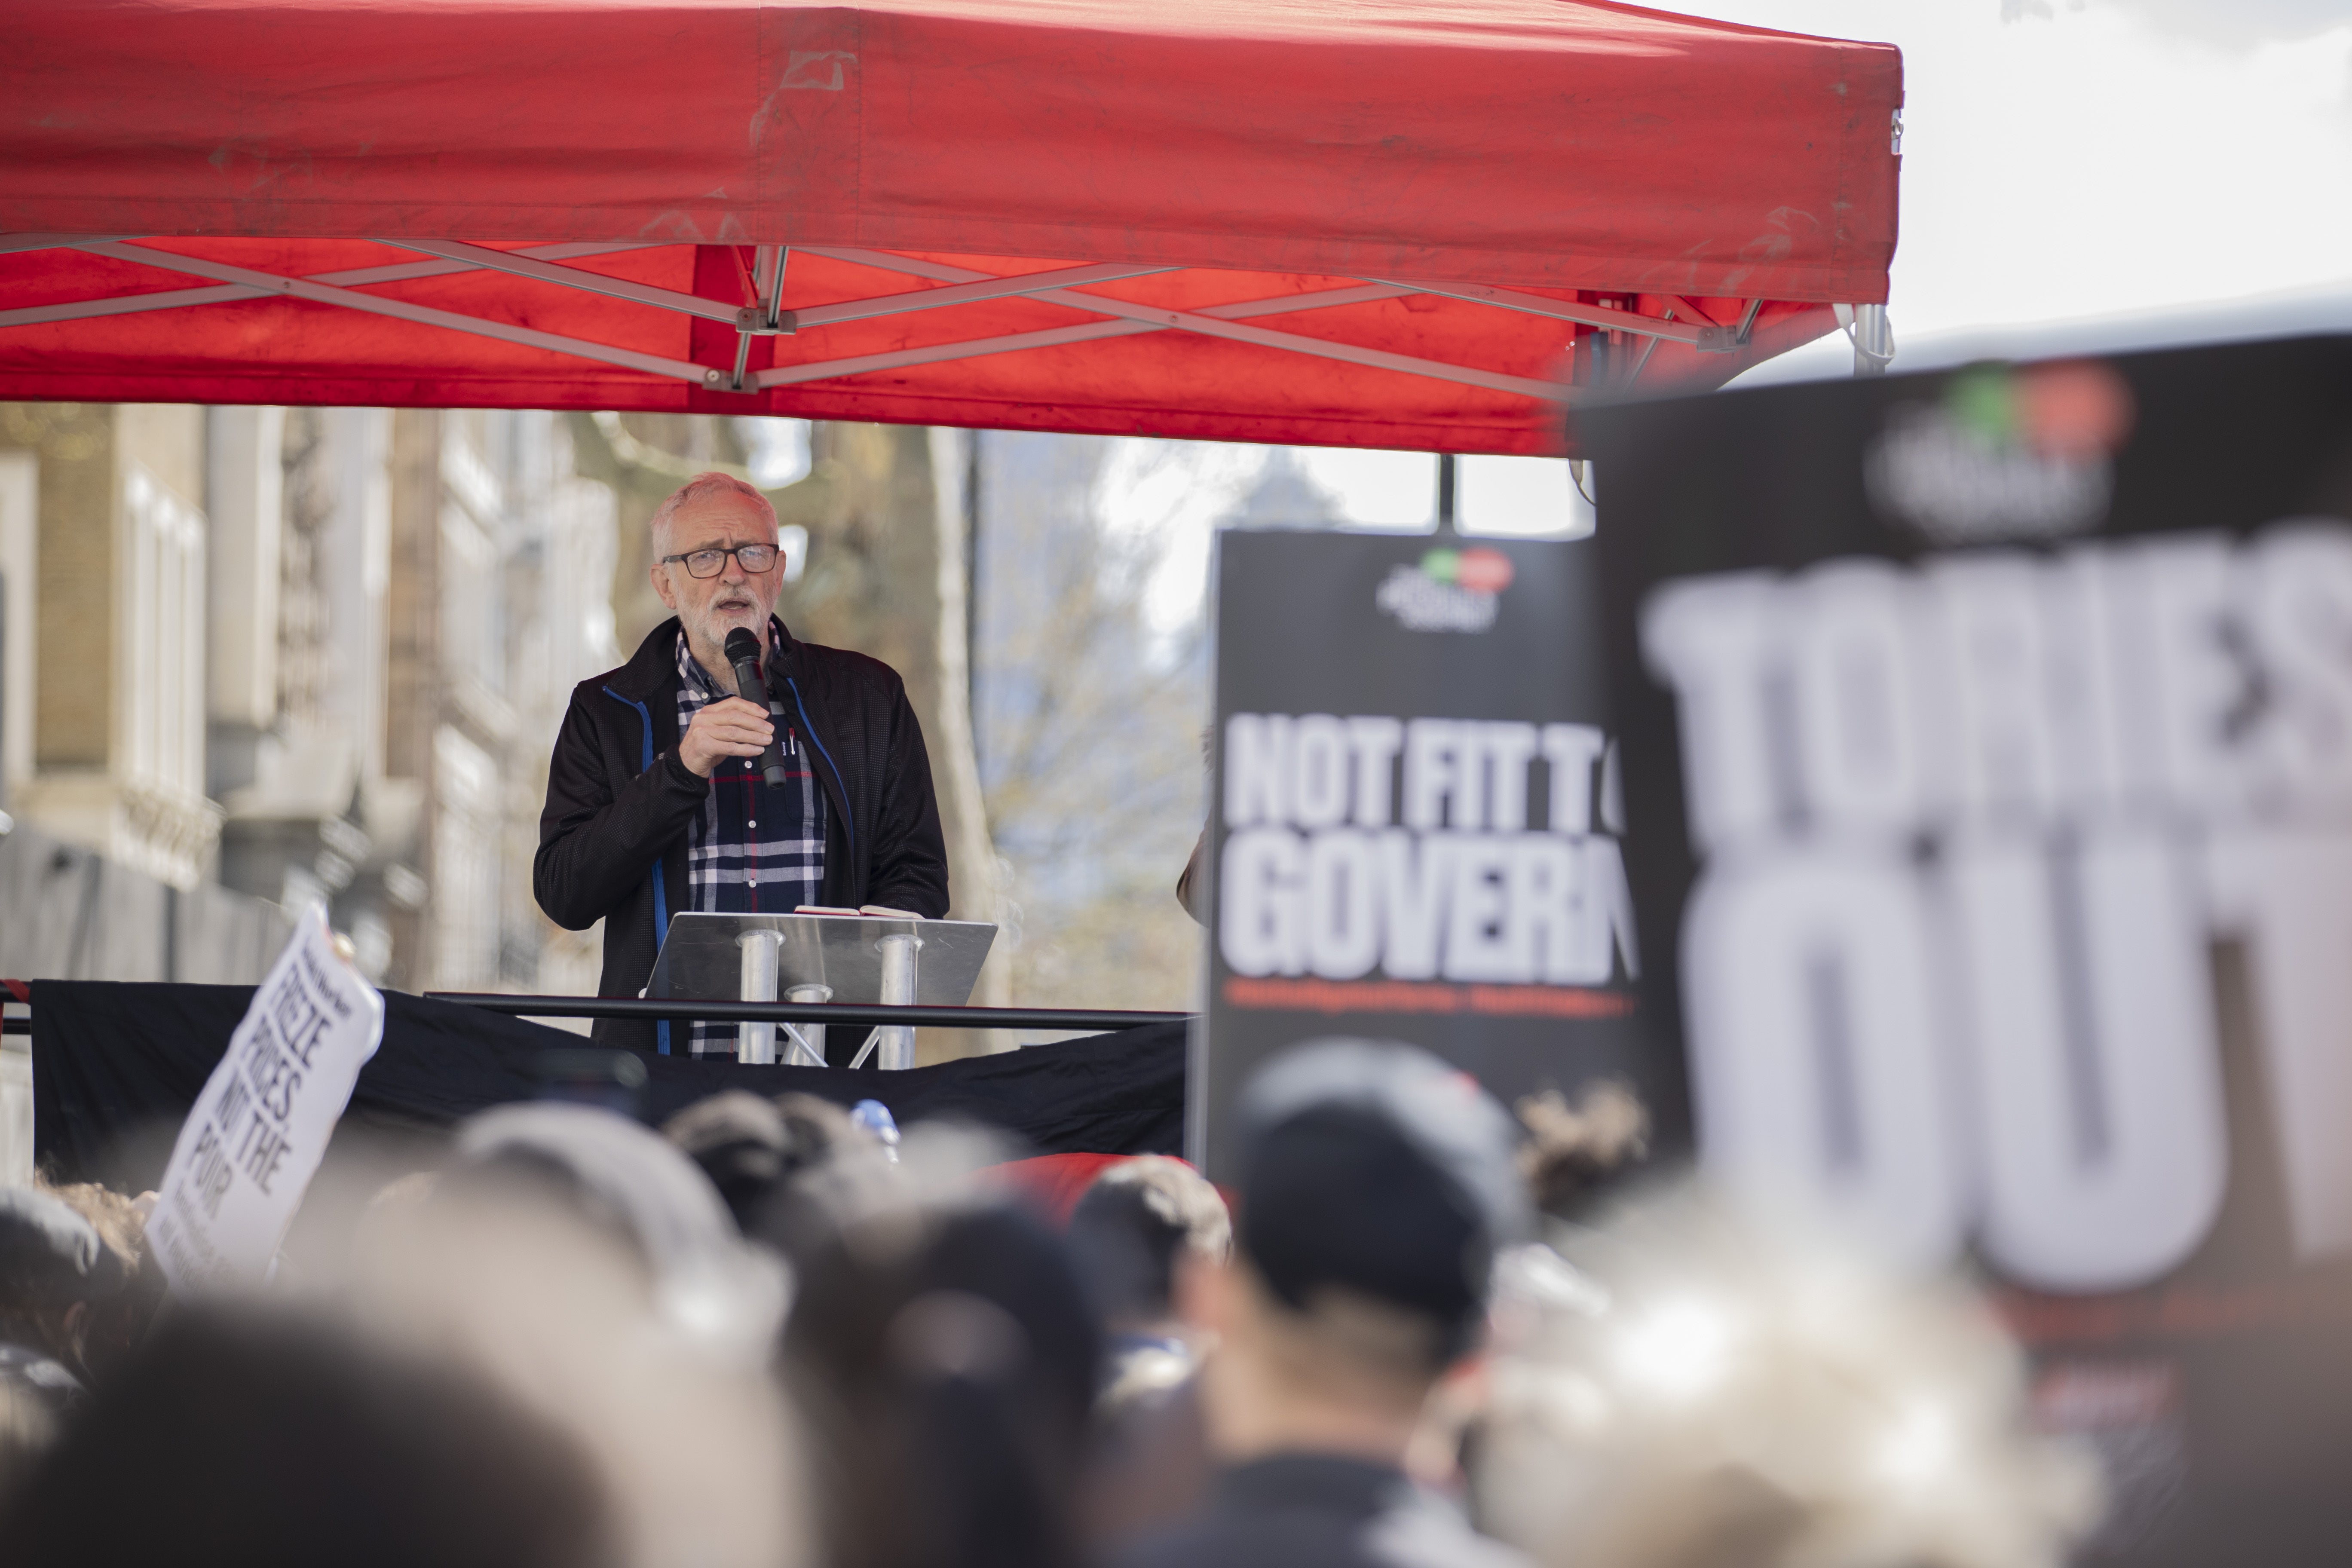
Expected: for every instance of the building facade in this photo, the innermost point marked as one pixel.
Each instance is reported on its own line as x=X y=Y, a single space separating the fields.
x=252 y=658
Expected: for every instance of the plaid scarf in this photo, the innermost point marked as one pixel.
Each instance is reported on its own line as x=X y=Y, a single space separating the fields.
x=754 y=846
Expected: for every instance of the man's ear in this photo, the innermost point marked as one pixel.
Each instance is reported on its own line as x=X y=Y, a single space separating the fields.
x=661 y=585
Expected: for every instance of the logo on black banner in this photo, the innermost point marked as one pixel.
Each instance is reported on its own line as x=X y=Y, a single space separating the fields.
x=1446 y=590
x=2006 y=454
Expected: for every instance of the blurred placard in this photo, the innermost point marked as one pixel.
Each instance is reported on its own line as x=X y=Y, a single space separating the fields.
x=1414 y=817
x=1988 y=758
x=247 y=1152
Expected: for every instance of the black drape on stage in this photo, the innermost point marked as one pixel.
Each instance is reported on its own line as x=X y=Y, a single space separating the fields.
x=111 y=1061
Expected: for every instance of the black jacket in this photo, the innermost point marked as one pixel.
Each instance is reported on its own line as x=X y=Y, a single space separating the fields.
x=1317 y=1511
x=613 y=840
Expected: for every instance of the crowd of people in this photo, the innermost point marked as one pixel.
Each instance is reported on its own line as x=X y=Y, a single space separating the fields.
x=1415 y=1331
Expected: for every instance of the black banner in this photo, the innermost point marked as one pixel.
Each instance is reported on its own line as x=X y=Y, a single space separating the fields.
x=1988 y=760
x=1414 y=817
x=116 y=1068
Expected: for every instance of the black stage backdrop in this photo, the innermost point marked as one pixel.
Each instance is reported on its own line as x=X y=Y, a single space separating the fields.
x=116 y=1068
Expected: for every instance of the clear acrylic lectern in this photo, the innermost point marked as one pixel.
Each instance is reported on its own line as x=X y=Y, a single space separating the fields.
x=820 y=958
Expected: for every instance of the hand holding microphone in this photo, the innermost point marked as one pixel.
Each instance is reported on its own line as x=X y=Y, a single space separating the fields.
x=743 y=653
x=734 y=726
x=720 y=730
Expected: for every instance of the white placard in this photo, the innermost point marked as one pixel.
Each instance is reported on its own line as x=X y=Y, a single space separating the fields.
x=249 y=1148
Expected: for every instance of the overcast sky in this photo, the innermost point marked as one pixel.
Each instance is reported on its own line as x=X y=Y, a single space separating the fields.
x=2064 y=159
x=2061 y=160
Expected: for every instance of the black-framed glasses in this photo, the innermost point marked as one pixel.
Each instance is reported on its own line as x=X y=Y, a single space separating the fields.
x=753 y=558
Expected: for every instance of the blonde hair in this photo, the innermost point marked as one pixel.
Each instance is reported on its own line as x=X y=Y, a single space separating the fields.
x=116 y=1218
x=1573 y=1151
x=702 y=486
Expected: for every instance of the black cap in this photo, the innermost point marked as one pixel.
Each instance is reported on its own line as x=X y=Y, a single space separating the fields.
x=49 y=1253
x=1372 y=1165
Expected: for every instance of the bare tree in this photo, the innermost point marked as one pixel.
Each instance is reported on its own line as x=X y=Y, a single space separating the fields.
x=1090 y=719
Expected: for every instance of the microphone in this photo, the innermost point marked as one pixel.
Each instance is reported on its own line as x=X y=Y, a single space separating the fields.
x=743 y=653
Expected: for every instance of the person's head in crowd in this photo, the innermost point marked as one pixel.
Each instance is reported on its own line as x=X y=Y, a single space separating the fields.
x=1576 y=1154
x=1739 y=1392
x=1140 y=1224
x=585 y=1266
x=849 y=1177
x=946 y=1362
x=262 y=1440
x=738 y=1141
x=1376 y=1186
x=62 y=1280
x=643 y=1191
x=787 y=1168
x=76 y=1294
x=815 y=1130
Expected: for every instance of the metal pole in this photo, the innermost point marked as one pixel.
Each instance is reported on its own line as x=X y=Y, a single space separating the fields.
x=973 y=478
x=1873 y=340
x=809 y=1035
x=6 y=824
x=775 y=300
x=1446 y=513
x=848 y=1015
x=897 y=1041
x=755 y=1043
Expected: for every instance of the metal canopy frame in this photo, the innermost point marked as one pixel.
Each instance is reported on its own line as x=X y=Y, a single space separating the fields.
x=762 y=314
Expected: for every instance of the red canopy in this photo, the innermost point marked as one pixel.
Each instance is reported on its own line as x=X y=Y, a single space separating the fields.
x=1385 y=223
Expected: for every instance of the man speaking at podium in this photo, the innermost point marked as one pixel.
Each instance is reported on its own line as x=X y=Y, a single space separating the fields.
x=666 y=793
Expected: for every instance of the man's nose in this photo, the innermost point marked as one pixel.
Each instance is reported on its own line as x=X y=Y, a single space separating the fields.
x=733 y=572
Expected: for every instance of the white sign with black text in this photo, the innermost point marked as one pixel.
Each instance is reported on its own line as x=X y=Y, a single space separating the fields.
x=2112 y=758
x=247 y=1152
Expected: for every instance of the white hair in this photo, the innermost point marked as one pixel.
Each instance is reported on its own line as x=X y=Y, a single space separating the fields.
x=1719 y=1388
x=702 y=486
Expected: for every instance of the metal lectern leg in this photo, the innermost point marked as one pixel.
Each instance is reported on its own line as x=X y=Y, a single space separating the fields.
x=755 y=1043
x=894 y=1044
x=809 y=1037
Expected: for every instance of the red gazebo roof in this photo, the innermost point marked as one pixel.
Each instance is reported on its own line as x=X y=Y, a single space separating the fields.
x=1392 y=223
